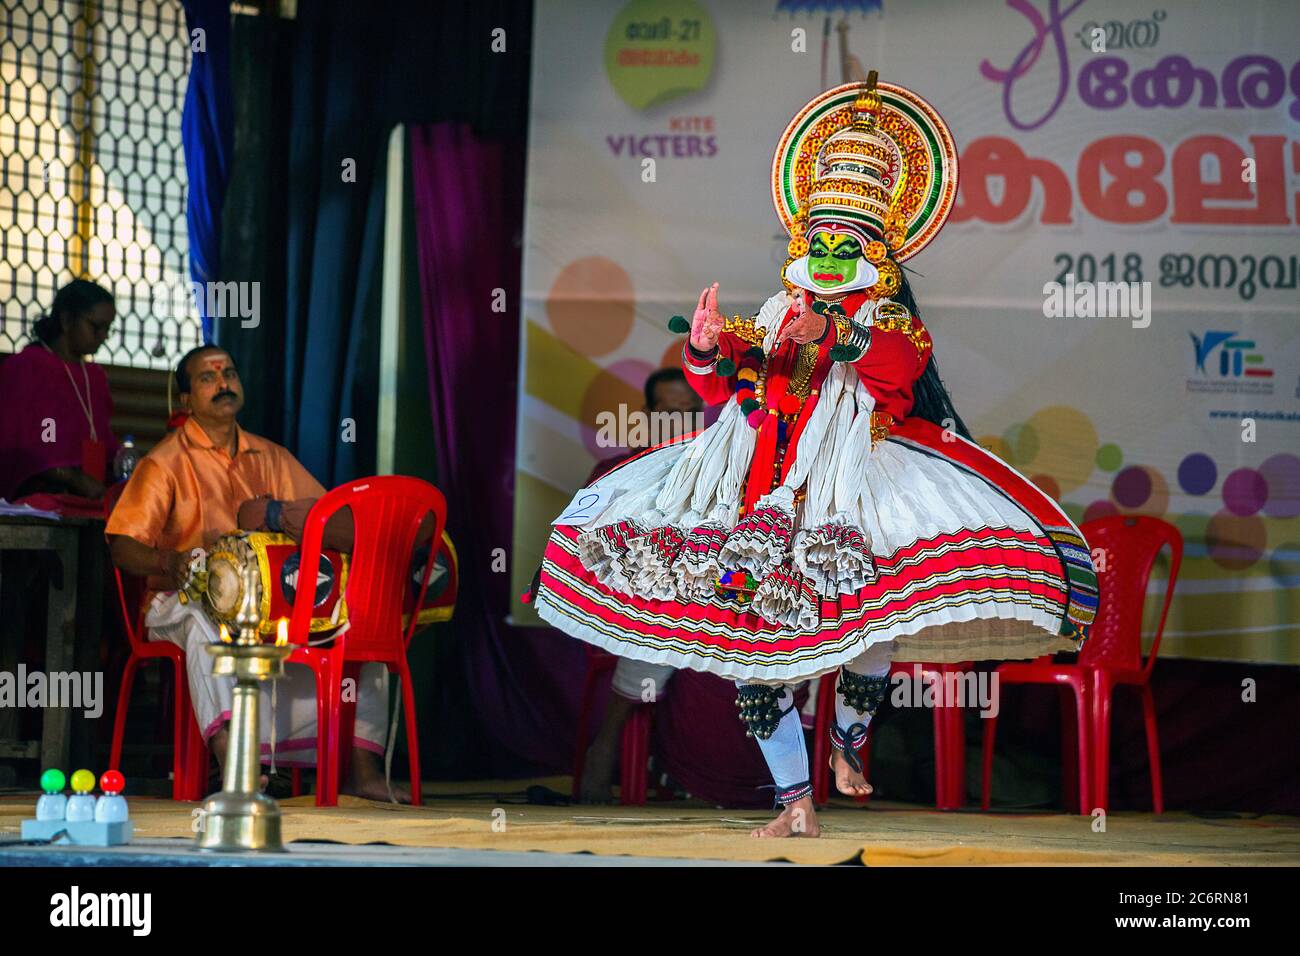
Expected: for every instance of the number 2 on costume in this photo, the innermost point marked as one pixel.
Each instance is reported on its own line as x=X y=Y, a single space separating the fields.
x=585 y=506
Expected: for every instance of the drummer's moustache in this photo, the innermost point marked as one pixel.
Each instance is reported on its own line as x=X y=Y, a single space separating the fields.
x=224 y=393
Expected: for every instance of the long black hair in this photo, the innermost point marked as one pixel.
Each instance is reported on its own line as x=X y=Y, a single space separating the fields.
x=77 y=297
x=930 y=399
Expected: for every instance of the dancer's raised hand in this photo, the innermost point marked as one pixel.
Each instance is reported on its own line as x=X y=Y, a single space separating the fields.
x=706 y=325
x=804 y=326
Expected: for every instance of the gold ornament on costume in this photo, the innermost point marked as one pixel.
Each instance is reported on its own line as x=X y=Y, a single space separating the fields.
x=890 y=280
x=746 y=329
x=893 y=317
x=876 y=157
x=801 y=379
x=881 y=423
x=798 y=229
x=875 y=253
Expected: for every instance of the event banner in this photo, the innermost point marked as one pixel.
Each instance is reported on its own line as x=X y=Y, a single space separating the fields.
x=1113 y=300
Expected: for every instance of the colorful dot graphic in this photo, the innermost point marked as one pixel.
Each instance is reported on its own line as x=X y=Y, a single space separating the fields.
x=1232 y=531
x=1244 y=492
x=1109 y=457
x=1197 y=474
x=1281 y=475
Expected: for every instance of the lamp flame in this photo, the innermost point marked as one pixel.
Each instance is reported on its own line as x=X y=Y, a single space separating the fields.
x=282 y=632
x=225 y=635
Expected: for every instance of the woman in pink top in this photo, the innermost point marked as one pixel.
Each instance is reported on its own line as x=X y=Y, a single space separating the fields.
x=55 y=404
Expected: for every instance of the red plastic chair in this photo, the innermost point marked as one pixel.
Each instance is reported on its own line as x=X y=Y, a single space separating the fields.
x=635 y=749
x=1128 y=546
x=949 y=737
x=387 y=512
x=190 y=753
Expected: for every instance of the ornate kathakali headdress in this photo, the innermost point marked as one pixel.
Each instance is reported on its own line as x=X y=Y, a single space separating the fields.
x=869 y=162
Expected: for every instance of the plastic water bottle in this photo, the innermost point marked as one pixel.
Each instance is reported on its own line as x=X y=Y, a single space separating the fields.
x=125 y=460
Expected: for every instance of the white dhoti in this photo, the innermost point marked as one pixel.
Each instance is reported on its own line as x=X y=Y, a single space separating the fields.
x=291 y=723
x=639 y=680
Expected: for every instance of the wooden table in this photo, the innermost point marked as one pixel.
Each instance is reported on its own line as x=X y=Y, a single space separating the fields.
x=73 y=623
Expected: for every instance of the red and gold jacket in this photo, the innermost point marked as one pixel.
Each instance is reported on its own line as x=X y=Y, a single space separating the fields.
x=791 y=379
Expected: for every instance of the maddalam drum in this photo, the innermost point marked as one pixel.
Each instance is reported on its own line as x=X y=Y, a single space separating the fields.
x=837 y=515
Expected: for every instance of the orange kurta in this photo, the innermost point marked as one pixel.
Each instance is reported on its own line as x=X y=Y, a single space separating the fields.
x=186 y=492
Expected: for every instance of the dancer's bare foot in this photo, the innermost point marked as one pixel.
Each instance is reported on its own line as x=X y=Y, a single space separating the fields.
x=598 y=772
x=366 y=779
x=848 y=781
x=798 y=819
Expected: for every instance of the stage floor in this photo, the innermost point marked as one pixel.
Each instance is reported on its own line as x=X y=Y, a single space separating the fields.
x=490 y=823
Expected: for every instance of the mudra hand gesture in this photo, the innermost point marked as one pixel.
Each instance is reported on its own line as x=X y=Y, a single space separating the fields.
x=706 y=325
x=805 y=326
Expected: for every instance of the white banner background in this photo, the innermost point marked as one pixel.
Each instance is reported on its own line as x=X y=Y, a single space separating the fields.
x=1105 y=415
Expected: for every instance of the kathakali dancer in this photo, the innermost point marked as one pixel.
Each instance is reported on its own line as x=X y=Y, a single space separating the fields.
x=837 y=515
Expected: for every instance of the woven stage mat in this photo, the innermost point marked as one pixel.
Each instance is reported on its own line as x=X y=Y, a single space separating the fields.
x=492 y=815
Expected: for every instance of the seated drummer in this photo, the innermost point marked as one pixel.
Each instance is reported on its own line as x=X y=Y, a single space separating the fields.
x=196 y=485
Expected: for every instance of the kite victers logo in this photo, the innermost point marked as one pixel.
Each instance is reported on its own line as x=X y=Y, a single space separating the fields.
x=131 y=910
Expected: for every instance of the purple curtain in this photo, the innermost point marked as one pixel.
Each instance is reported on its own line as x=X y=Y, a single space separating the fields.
x=525 y=682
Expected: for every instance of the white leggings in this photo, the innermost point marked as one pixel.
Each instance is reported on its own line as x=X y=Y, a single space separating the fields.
x=785 y=751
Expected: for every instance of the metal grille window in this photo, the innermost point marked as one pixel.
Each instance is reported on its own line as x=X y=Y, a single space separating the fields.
x=92 y=171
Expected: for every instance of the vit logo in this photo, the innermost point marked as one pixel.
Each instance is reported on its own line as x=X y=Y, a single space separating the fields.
x=103 y=909
x=1237 y=357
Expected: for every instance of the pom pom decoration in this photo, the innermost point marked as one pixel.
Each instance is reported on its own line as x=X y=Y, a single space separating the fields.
x=747 y=374
x=749 y=406
x=789 y=404
x=678 y=324
x=725 y=366
x=755 y=354
x=757 y=417
x=845 y=353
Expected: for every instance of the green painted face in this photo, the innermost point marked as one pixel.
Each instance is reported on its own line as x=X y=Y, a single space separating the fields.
x=833 y=259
